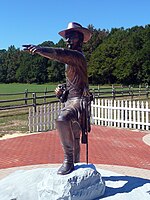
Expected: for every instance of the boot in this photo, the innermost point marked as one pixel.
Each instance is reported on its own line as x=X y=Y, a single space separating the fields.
x=67 y=141
x=77 y=150
x=66 y=168
x=76 y=132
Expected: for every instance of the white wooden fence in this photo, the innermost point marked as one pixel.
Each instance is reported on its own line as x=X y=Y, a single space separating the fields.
x=121 y=113
x=43 y=117
x=116 y=113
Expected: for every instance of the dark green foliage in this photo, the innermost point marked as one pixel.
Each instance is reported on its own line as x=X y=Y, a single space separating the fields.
x=123 y=57
x=10 y=61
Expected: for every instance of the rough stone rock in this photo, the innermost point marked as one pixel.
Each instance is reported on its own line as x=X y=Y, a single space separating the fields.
x=84 y=183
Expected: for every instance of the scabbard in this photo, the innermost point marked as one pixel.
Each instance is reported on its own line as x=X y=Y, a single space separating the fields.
x=84 y=138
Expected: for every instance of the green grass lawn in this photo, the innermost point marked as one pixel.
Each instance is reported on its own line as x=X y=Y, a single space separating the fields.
x=16 y=87
x=9 y=92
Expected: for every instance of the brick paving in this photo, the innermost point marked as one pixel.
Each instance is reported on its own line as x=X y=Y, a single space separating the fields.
x=110 y=146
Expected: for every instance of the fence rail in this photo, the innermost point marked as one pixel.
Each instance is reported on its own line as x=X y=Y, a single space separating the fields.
x=28 y=99
x=116 y=113
x=120 y=92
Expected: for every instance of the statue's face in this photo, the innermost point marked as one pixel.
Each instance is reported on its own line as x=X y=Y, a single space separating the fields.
x=72 y=40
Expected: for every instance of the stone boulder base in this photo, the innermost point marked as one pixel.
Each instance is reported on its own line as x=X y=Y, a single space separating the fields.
x=84 y=183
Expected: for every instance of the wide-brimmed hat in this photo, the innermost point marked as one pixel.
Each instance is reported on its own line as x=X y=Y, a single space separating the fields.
x=73 y=26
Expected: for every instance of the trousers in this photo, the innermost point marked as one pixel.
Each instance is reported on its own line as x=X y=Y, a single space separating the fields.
x=68 y=126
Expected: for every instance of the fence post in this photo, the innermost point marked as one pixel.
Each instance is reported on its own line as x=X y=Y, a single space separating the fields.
x=147 y=91
x=122 y=90
x=139 y=90
x=93 y=92
x=131 y=91
x=34 y=101
x=26 y=96
x=113 y=92
x=45 y=95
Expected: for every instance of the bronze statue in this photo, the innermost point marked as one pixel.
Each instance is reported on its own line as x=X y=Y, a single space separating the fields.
x=70 y=120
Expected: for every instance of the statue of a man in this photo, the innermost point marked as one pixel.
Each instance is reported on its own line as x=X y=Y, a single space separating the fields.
x=69 y=121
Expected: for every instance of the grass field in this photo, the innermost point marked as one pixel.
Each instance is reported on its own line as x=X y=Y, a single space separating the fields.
x=15 y=88
x=17 y=91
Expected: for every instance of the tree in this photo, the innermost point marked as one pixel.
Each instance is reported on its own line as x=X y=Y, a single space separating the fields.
x=25 y=73
x=3 y=69
x=97 y=38
x=122 y=57
x=56 y=71
x=11 y=63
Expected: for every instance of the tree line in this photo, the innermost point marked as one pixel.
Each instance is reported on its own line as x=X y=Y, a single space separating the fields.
x=116 y=56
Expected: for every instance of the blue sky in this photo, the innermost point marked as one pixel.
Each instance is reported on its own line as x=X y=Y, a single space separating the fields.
x=36 y=21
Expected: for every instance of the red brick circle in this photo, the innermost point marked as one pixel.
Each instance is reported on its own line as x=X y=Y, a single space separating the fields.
x=107 y=145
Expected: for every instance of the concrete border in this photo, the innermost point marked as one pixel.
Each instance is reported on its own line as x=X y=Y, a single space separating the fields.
x=146 y=139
